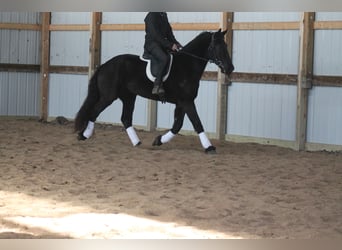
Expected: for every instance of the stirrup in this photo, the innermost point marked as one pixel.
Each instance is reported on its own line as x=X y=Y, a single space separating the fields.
x=158 y=90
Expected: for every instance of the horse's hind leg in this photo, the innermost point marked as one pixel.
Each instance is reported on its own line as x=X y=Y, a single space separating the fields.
x=128 y=102
x=101 y=105
x=176 y=127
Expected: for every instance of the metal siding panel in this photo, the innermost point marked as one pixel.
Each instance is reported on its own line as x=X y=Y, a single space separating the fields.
x=70 y=17
x=325 y=115
x=66 y=94
x=69 y=48
x=5 y=46
x=181 y=17
x=328 y=52
x=19 y=46
x=19 y=94
x=4 y=93
x=266 y=16
x=123 y=17
x=266 y=51
x=328 y=16
x=121 y=42
x=194 y=17
x=262 y=110
x=20 y=17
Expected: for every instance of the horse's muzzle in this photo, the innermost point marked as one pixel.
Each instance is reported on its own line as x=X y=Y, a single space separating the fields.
x=228 y=71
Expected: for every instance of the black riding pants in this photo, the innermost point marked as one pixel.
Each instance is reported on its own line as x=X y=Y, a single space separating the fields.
x=162 y=58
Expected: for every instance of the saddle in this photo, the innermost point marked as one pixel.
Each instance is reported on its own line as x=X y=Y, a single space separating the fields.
x=151 y=67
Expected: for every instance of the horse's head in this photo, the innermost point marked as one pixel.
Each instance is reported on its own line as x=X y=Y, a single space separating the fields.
x=218 y=52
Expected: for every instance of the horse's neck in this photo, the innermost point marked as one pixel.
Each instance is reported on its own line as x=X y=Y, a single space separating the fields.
x=198 y=49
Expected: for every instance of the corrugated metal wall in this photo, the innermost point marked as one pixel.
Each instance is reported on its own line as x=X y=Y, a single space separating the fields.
x=264 y=110
x=325 y=103
x=19 y=92
x=254 y=110
x=69 y=48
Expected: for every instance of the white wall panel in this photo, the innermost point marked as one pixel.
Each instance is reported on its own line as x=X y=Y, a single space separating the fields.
x=174 y=17
x=19 y=46
x=328 y=52
x=325 y=115
x=19 y=94
x=69 y=48
x=66 y=94
x=121 y=42
x=267 y=16
x=70 y=17
x=20 y=17
x=328 y=16
x=262 y=110
x=123 y=17
x=266 y=51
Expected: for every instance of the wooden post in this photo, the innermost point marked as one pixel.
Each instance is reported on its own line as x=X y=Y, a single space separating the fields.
x=151 y=115
x=44 y=67
x=222 y=85
x=305 y=73
x=95 y=42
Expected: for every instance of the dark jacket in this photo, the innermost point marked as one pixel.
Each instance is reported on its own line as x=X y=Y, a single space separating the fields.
x=158 y=31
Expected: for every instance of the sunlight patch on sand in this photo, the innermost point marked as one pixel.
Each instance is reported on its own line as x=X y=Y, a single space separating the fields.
x=36 y=216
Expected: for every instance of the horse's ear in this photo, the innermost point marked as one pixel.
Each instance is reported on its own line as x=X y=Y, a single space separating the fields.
x=219 y=31
x=224 y=32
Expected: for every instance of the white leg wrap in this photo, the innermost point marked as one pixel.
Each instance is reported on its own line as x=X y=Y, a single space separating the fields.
x=167 y=137
x=88 y=132
x=204 y=140
x=132 y=136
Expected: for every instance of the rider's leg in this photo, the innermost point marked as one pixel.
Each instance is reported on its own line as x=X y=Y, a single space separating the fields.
x=162 y=57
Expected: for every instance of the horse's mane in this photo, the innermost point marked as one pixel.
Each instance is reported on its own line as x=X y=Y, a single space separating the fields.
x=197 y=41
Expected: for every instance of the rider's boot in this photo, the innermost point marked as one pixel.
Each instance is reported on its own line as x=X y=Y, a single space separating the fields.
x=158 y=88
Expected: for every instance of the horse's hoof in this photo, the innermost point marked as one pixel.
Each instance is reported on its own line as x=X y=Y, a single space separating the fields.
x=81 y=137
x=210 y=150
x=157 y=141
x=138 y=144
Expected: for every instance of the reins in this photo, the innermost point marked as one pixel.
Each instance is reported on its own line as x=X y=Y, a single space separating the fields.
x=193 y=55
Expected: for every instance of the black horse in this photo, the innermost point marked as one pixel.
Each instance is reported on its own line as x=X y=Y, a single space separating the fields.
x=124 y=77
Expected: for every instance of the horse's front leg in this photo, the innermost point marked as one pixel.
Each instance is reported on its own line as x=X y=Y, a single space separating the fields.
x=176 y=127
x=190 y=110
x=128 y=102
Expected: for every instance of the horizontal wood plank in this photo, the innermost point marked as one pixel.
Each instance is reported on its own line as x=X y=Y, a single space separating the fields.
x=266 y=26
x=327 y=25
x=6 y=67
x=69 y=27
x=20 y=26
x=60 y=69
x=241 y=77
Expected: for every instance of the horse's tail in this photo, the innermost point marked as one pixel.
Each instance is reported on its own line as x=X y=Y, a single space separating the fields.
x=83 y=115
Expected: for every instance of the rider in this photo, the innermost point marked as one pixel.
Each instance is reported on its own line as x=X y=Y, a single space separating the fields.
x=159 y=40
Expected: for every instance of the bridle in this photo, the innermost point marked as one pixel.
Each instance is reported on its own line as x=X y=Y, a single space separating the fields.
x=211 y=53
